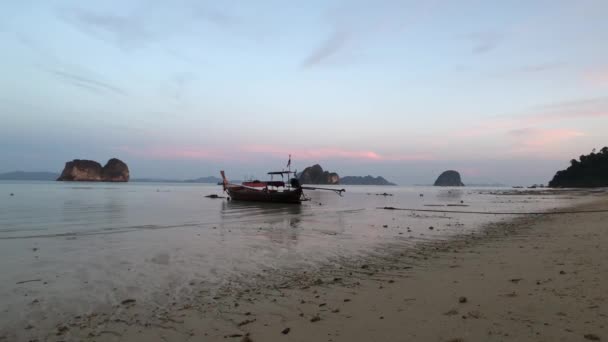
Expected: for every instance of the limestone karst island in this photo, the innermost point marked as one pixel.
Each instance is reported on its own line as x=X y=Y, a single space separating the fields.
x=79 y=170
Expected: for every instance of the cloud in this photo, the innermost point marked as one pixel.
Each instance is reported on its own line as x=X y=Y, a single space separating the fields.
x=257 y=152
x=143 y=26
x=332 y=153
x=327 y=49
x=125 y=31
x=597 y=76
x=484 y=42
x=174 y=153
x=357 y=22
x=585 y=108
x=86 y=82
x=537 y=139
x=534 y=68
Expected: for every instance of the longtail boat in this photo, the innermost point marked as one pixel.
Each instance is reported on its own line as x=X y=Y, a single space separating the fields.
x=271 y=191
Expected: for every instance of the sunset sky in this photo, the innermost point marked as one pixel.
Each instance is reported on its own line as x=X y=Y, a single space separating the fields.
x=505 y=91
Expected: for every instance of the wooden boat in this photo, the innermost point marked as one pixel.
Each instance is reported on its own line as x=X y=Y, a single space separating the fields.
x=270 y=191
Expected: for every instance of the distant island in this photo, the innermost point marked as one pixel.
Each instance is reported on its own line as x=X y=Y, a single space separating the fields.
x=589 y=171
x=29 y=176
x=79 y=170
x=367 y=180
x=449 y=178
x=316 y=175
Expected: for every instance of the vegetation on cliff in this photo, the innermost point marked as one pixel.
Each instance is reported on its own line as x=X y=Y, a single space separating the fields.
x=588 y=172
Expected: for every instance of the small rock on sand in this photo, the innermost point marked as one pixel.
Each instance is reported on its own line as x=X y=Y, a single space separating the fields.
x=315 y=318
x=462 y=299
x=592 y=337
x=127 y=301
x=285 y=331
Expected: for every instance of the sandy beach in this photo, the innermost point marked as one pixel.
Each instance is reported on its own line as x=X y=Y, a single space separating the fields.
x=536 y=278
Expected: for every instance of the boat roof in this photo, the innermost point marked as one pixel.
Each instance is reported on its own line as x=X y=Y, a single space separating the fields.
x=280 y=172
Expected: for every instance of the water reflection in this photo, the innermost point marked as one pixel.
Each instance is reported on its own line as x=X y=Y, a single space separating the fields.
x=236 y=209
x=450 y=195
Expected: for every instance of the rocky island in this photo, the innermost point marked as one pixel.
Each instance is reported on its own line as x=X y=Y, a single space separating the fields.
x=449 y=178
x=588 y=172
x=79 y=170
x=316 y=175
x=367 y=180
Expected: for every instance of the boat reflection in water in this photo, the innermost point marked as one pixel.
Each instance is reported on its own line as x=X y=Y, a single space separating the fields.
x=269 y=213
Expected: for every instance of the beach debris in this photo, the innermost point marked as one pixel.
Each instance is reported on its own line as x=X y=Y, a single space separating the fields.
x=364 y=266
x=215 y=196
x=592 y=337
x=431 y=227
x=12 y=194
x=421 y=195
x=246 y=338
x=27 y=281
x=452 y=312
x=285 y=331
x=128 y=301
x=245 y=322
x=562 y=272
x=62 y=329
x=346 y=300
x=335 y=310
x=315 y=318
x=385 y=226
x=462 y=299
x=515 y=280
x=474 y=314
x=384 y=194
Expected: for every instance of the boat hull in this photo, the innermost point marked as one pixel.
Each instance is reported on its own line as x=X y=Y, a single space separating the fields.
x=244 y=194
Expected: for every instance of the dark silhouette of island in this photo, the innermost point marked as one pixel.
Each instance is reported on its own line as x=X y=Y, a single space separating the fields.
x=367 y=180
x=449 y=178
x=29 y=176
x=79 y=170
x=315 y=175
x=589 y=171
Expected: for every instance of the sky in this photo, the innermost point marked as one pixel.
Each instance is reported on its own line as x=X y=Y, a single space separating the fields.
x=503 y=92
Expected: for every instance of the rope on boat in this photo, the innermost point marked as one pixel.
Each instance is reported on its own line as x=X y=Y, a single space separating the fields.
x=500 y=213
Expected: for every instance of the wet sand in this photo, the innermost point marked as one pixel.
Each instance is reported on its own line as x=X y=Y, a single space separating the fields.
x=539 y=278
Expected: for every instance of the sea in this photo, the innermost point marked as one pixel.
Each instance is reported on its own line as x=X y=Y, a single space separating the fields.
x=72 y=248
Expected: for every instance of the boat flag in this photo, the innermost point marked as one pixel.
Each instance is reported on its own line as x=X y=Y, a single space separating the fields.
x=289 y=162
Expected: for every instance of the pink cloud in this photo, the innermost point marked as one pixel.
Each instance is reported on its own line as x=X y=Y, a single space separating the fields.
x=535 y=140
x=174 y=153
x=247 y=153
x=332 y=153
x=597 y=76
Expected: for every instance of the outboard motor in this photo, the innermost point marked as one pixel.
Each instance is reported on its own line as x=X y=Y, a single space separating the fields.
x=295 y=183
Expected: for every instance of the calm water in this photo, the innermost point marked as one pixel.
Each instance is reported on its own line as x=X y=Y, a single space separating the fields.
x=68 y=248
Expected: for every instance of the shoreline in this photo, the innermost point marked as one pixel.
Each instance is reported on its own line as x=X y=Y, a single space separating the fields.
x=398 y=295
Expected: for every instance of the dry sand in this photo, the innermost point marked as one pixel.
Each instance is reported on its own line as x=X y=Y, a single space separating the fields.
x=542 y=278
